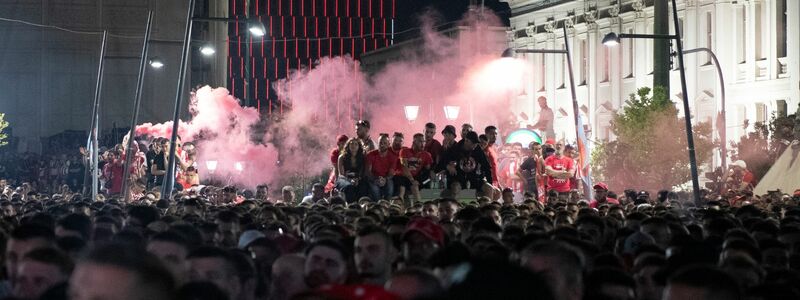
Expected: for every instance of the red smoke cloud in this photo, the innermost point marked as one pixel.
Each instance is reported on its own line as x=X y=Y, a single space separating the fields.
x=322 y=102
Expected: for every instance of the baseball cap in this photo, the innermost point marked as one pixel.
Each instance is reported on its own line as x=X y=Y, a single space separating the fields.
x=643 y=194
x=600 y=186
x=449 y=129
x=364 y=123
x=427 y=228
x=248 y=237
x=341 y=138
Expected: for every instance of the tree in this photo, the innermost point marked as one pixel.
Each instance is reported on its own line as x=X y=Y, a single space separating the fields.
x=3 y=125
x=760 y=148
x=650 y=151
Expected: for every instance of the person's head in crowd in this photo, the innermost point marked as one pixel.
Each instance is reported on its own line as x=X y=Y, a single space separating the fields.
x=659 y=229
x=287 y=277
x=200 y=290
x=609 y=283
x=497 y=280
x=24 y=239
x=491 y=134
x=593 y=227
x=418 y=142
x=140 y=216
x=171 y=249
x=422 y=237
x=327 y=262
x=374 y=254
x=742 y=267
x=448 y=134
x=447 y=209
x=287 y=193
x=774 y=254
x=703 y=283
x=117 y=271
x=397 y=141
x=262 y=192
x=40 y=270
x=483 y=141
x=7 y=209
x=77 y=225
x=362 y=129
x=430 y=210
x=508 y=196
x=223 y=268
x=430 y=131
x=559 y=263
x=414 y=283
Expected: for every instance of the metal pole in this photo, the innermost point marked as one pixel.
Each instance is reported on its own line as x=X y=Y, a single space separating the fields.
x=723 y=132
x=169 y=178
x=687 y=114
x=98 y=88
x=126 y=173
x=575 y=110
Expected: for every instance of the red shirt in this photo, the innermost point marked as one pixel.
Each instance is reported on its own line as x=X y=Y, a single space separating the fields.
x=434 y=148
x=609 y=201
x=562 y=163
x=335 y=157
x=491 y=156
x=382 y=166
x=416 y=160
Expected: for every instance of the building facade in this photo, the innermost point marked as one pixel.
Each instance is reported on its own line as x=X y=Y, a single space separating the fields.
x=756 y=41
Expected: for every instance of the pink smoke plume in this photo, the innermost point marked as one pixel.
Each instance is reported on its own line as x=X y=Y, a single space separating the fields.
x=222 y=129
x=324 y=101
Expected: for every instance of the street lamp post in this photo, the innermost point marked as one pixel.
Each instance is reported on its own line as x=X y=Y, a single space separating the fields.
x=255 y=28
x=722 y=107
x=94 y=129
x=613 y=39
x=136 y=101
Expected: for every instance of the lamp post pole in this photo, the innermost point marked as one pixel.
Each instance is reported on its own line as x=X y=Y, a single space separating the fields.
x=613 y=39
x=136 y=101
x=686 y=113
x=722 y=114
x=94 y=129
x=169 y=178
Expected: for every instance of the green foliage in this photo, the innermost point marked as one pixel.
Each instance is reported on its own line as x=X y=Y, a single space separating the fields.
x=3 y=125
x=650 y=151
x=760 y=148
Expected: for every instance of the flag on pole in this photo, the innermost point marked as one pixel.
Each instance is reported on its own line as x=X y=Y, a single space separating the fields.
x=584 y=168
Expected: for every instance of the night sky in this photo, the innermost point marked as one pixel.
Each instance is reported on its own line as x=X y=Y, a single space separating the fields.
x=408 y=11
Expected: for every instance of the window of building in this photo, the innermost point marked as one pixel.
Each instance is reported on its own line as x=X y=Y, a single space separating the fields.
x=709 y=35
x=584 y=61
x=780 y=30
x=542 y=75
x=562 y=69
x=781 y=108
x=760 y=34
x=606 y=63
x=761 y=113
x=741 y=33
x=628 y=55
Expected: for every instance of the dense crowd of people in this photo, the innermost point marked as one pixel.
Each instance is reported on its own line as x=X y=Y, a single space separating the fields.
x=368 y=234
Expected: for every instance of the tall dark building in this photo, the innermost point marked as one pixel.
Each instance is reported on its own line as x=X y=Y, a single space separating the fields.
x=298 y=33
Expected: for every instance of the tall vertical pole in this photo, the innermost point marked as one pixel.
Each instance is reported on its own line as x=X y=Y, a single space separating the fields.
x=575 y=110
x=93 y=130
x=661 y=49
x=169 y=179
x=687 y=115
x=126 y=173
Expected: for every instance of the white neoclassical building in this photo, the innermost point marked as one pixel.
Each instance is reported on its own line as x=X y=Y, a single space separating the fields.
x=756 y=41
